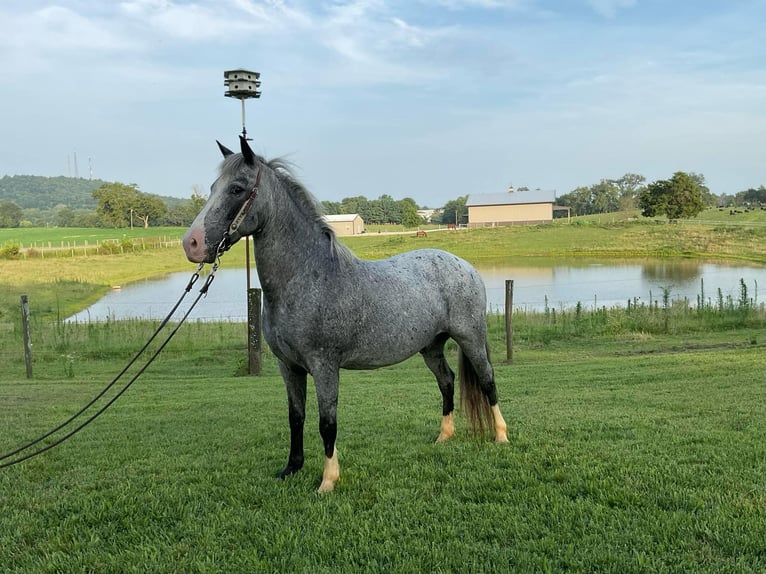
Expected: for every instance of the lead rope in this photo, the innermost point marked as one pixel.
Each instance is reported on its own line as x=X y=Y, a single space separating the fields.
x=22 y=450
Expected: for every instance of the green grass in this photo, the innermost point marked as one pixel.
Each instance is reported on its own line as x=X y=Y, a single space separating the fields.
x=584 y=237
x=77 y=236
x=628 y=454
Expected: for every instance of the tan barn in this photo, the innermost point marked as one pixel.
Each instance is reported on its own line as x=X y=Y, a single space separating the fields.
x=346 y=223
x=511 y=208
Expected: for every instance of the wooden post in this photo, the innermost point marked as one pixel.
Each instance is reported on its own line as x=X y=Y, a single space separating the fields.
x=254 y=331
x=509 y=320
x=27 y=338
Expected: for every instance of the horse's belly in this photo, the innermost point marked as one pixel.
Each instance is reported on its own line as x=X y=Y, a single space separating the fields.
x=380 y=349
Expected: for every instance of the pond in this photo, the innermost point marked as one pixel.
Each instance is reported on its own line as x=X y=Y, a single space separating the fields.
x=538 y=283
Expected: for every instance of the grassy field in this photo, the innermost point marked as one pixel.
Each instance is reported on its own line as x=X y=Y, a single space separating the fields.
x=637 y=442
x=77 y=237
x=583 y=238
x=630 y=452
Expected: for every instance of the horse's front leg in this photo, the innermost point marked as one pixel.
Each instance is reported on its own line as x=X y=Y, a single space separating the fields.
x=295 y=382
x=327 y=397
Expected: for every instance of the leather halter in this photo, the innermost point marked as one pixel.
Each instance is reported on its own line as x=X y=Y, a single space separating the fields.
x=242 y=213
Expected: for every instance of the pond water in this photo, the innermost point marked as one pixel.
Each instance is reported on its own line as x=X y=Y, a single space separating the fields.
x=537 y=283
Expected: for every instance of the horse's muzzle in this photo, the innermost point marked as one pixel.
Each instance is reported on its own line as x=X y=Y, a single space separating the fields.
x=195 y=247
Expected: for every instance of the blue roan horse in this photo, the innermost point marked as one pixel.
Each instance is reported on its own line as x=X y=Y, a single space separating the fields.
x=325 y=309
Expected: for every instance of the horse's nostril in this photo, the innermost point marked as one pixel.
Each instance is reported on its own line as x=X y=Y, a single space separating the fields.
x=193 y=242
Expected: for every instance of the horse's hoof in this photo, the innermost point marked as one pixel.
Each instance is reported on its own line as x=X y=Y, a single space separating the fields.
x=288 y=470
x=447 y=429
x=331 y=473
x=326 y=486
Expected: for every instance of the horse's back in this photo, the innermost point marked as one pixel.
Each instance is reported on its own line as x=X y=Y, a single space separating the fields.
x=441 y=272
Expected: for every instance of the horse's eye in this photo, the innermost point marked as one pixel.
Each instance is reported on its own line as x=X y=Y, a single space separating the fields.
x=236 y=189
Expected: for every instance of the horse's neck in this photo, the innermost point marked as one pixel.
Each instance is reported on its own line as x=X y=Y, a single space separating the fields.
x=291 y=244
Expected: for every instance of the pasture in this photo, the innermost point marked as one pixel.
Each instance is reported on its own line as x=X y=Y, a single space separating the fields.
x=629 y=453
x=59 y=237
x=637 y=441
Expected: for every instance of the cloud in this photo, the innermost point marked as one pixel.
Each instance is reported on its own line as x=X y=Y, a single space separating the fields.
x=486 y=4
x=193 y=21
x=37 y=37
x=609 y=8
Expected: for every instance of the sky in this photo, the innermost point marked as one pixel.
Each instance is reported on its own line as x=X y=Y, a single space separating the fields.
x=428 y=99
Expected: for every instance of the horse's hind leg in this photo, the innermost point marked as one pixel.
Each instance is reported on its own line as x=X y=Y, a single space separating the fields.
x=326 y=381
x=437 y=362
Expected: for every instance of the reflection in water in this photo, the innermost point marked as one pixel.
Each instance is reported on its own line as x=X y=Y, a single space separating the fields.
x=674 y=273
x=537 y=283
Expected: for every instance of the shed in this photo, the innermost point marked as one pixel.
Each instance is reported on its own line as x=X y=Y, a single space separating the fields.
x=346 y=223
x=510 y=208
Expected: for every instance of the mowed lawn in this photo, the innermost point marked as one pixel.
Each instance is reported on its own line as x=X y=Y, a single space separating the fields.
x=640 y=454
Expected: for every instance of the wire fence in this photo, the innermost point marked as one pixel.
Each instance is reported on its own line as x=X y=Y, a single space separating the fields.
x=52 y=249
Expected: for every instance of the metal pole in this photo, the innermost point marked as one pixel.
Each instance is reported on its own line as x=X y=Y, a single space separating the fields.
x=244 y=129
x=253 y=299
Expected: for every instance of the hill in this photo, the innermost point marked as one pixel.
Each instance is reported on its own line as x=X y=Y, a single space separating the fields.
x=37 y=192
x=46 y=193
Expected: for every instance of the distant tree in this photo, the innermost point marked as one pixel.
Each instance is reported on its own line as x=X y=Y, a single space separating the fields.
x=604 y=197
x=726 y=200
x=630 y=186
x=708 y=198
x=391 y=211
x=680 y=197
x=65 y=217
x=331 y=207
x=115 y=201
x=753 y=196
x=91 y=219
x=356 y=204
x=121 y=205
x=410 y=217
x=579 y=199
x=146 y=207
x=654 y=198
x=372 y=212
x=455 y=211
x=10 y=214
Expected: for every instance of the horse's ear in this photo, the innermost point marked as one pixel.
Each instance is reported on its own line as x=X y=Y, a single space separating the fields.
x=224 y=150
x=247 y=153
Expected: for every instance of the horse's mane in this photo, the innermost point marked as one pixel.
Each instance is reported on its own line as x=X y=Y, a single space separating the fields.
x=304 y=200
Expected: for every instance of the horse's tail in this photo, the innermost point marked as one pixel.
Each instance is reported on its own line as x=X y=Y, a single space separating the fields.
x=473 y=401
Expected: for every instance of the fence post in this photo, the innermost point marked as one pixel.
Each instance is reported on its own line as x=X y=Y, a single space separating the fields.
x=509 y=320
x=254 y=331
x=27 y=339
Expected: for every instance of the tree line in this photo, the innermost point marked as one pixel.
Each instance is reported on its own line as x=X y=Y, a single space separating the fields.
x=630 y=192
x=684 y=195
x=69 y=202
x=383 y=210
